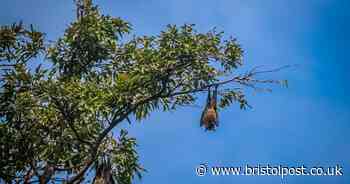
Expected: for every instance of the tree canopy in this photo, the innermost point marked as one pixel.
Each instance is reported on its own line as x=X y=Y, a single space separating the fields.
x=56 y=119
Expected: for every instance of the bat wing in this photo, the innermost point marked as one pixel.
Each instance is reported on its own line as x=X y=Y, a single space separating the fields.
x=202 y=122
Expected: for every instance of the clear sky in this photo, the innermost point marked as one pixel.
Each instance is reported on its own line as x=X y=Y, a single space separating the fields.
x=308 y=123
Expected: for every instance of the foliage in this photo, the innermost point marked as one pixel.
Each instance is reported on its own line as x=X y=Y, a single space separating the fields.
x=58 y=120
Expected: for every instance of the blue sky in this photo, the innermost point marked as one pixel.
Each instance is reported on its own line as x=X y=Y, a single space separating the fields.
x=308 y=123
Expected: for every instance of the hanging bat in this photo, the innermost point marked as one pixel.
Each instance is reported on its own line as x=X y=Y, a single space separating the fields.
x=209 y=118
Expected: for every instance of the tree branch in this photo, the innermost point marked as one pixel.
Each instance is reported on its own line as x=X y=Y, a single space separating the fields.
x=127 y=110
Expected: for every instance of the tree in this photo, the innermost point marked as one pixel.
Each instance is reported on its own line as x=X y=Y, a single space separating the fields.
x=56 y=122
